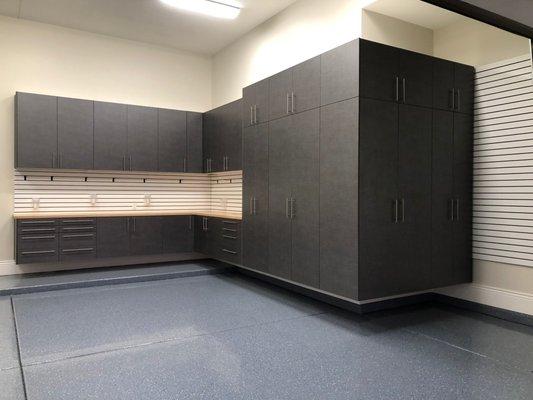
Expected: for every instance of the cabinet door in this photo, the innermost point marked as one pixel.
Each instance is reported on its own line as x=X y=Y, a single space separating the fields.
x=36 y=131
x=172 y=136
x=378 y=188
x=304 y=145
x=443 y=84
x=248 y=102
x=146 y=236
x=442 y=194
x=340 y=73
x=75 y=126
x=338 y=197
x=279 y=94
x=306 y=85
x=178 y=234
x=232 y=136
x=379 y=71
x=412 y=270
x=194 y=142
x=416 y=73
x=110 y=136
x=464 y=86
x=279 y=194
x=462 y=182
x=214 y=140
x=255 y=198
x=142 y=138
x=113 y=238
x=201 y=239
x=208 y=122
x=261 y=102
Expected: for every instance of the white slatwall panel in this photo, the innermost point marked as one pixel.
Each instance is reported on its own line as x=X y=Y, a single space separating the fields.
x=119 y=191
x=503 y=162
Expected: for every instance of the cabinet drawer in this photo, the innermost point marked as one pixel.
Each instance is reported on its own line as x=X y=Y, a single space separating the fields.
x=232 y=255
x=36 y=227
x=71 y=222
x=37 y=241
x=36 y=256
x=78 y=253
x=77 y=240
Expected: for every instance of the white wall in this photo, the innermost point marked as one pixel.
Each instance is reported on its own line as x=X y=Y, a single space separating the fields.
x=475 y=43
x=46 y=59
x=302 y=31
x=394 y=32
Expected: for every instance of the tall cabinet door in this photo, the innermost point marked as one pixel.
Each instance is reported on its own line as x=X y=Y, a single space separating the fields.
x=442 y=195
x=172 y=140
x=110 y=136
x=194 y=142
x=305 y=157
x=378 y=189
x=462 y=182
x=339 y=177
x=142 y=138
x=280 y=89
x=279 y=194
x=36 y=131
x=416 y=73
x=255 y=198
x=75 y=126
x=464 y=86
x=412 y=269
x=306 y=85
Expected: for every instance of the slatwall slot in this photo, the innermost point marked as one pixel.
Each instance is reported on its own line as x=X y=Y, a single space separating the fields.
x=503 y=163
x=118 y=191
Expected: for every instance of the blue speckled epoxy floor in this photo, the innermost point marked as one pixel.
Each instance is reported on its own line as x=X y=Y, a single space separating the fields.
x=232 y=337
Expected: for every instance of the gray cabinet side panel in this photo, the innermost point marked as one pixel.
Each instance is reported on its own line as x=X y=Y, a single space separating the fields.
x=339 y=198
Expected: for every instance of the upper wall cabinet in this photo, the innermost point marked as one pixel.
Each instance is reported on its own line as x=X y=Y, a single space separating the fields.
x=57 y=132
x=110 y=136
x=340 y=73
x=295 y=90
x=453 y=86
x=35 y=131
x=255 y=103
x=75 y=132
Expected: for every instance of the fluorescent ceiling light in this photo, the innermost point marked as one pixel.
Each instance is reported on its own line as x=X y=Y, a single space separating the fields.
x=226 y=9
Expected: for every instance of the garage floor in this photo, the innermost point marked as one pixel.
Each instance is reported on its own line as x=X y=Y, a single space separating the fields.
x=231 y=337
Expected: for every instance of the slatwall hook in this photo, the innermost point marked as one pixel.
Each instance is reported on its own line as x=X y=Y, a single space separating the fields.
x=25 y=177
x=51 y=179
x=113 y=180
x=85 y=179
x=144 y=180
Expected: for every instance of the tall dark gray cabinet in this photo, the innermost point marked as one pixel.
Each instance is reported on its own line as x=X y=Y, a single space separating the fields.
x=370 y=189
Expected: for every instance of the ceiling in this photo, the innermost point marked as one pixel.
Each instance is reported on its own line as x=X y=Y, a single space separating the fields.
x=416 y=12
x=148 y=21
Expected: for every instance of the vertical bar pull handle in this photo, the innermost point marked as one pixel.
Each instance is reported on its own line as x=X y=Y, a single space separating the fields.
x=255 y=206
x=251 y=205
x=255 y=114
x=402 y=201
x=397 y=89
x=395 y=211
x=292 y=102
x=287 y=103
x=287 y=208
x=293 y=213
x=458 y=101
x=452 y=91
x=457 y=209
x=251 y=115
x=404 y=90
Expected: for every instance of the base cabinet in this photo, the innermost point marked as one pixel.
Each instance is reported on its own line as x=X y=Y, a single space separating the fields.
x=219 y=238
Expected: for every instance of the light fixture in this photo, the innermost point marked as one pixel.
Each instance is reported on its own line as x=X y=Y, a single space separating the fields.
x=226 y=9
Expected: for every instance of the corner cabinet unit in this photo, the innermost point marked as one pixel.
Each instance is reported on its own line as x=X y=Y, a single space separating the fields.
x=223 y=138
x=366 y=191
x=63 y=133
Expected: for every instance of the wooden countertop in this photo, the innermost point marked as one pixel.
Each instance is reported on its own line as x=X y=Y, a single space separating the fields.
x=126 y=213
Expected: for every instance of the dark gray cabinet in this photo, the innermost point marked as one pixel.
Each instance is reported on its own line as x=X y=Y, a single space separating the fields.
x=294 y=197
x=37 y=241
x=194 y=142
x=223 y=138
x=78 y=239
x=177 y=234
x=35 y=131
x=113 y=239
x=453 y=86
x=340 y=73
x=295 y=90
x=339 y=176
x=255 y=103
x=172 y=140
x=255 y=197
x=75 y=132
x=145 y=236
x=110 y=136
x=219 y=238
x=142 y=138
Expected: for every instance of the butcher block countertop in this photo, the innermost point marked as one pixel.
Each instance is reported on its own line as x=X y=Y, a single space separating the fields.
x=125 y=213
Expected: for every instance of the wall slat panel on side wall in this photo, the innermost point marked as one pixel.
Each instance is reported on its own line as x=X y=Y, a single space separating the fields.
x=503 y=162
x=119 y=191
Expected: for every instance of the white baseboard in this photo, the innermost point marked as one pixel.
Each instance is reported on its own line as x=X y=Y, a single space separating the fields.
x=491 y=296
x=8 y=267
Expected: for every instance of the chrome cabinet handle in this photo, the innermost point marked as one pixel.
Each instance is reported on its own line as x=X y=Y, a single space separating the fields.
x=395 y=211
x=453 y=98
x=251 y=115
x=81 y=250
x=76 y=221
x=251 y=205
x=457 y=209
x=229 y=251
x=402 y=202
x=287 y=103
x=38 y=222
x=255 y=114
x=404 y=90
x=292 y=102
x=397 y=89
x=27 y=253
x=458 y=100
x=293 y=213
x=287 y=207
x=86 y=235
x=255 y=206
x=38 y=237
